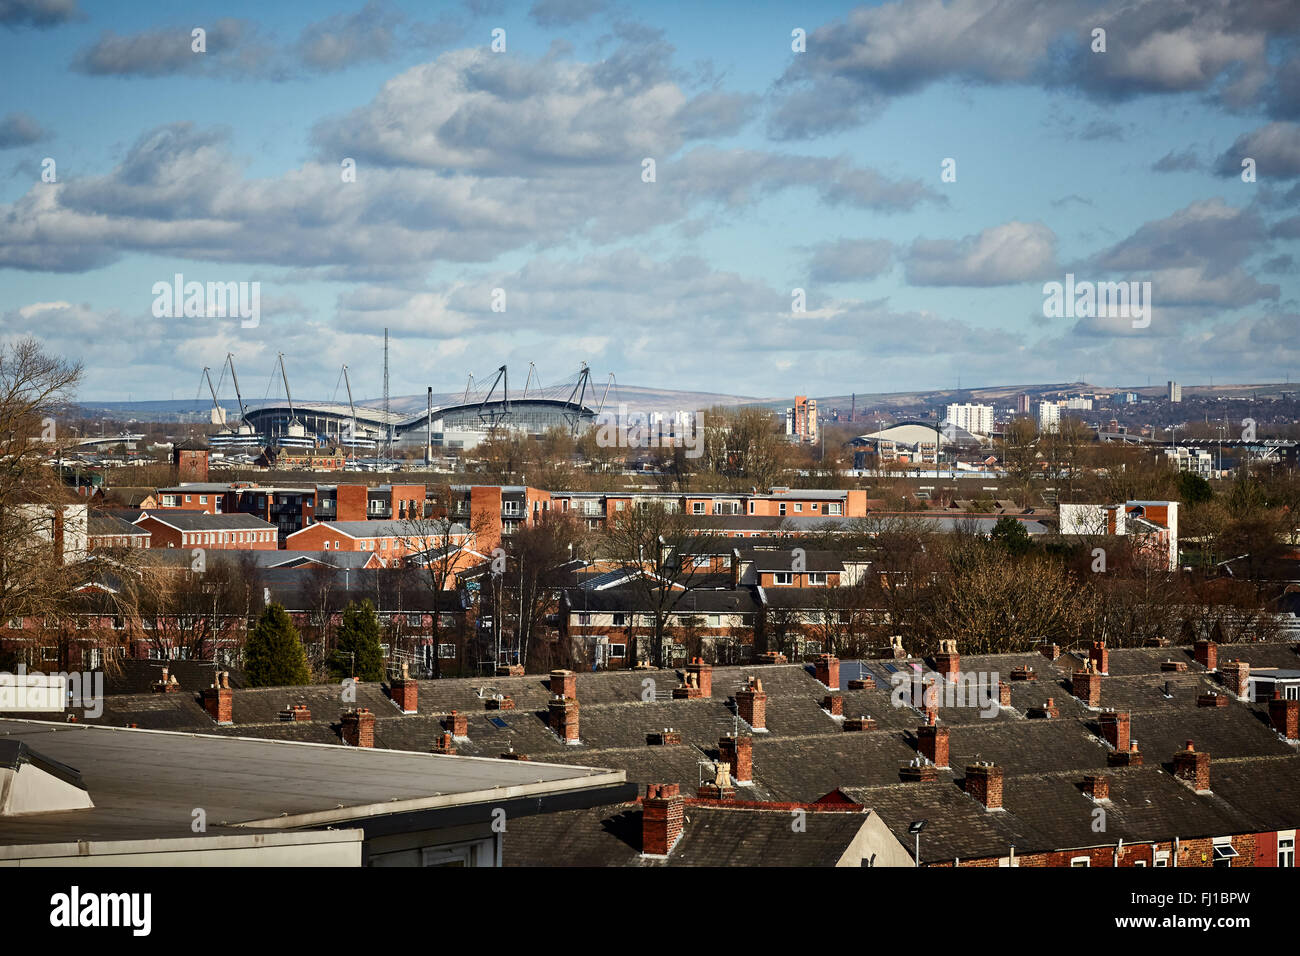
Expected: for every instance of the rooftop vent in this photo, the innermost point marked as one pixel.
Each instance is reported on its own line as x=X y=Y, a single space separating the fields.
x=33 y=783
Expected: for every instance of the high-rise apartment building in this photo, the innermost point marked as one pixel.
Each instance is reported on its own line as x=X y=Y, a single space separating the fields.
x=976 y=419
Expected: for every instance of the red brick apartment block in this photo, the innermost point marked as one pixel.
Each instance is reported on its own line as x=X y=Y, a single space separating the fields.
x=663 y=812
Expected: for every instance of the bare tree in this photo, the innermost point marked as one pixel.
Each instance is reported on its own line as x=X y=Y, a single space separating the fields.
x=36 y=530
x=653 y=544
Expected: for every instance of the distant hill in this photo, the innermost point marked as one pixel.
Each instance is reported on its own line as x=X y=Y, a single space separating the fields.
x=641 y=399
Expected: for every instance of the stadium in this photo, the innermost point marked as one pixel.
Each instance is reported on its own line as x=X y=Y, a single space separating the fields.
x=449 y=423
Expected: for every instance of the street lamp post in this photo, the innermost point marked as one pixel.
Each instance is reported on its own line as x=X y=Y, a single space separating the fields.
x=915 y=828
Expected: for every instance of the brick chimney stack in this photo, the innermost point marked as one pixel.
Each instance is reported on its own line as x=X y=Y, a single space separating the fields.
x=1115 y=728
x=947 y=662
x=1099 y=657
x=739 y=753
x=405 y=692
x=703 y=675
x=1097 y=786
x=1086 y=685
x=662 y=813
x=457 y=724
x=218 y=700
x=1206 y=654
x=358 y=727
x=1193 y=766
x=932 y=743
x=1236 y=677
x=1284 y=715
x=751 y=704
x=563 y=713
x=827 y=669
x=564 y=683
x=720 y=788
x=984 y=783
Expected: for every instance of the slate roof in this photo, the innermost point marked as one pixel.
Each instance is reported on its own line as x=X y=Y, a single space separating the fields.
x=711 y=836
x=189 y=520
x=806 y=753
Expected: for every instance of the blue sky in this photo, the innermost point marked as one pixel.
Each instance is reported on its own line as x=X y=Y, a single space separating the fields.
x=775 y=170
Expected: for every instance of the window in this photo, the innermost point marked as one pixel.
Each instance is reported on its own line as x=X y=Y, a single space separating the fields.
x=510 y=507
x=1286 y=850
x=798 y=507
x=584 y=620
x=1081 y=861
x=447 y=651
x=697 y=508
x=189 y=498
x=780 y=509
x=1223 y=852
x=620 y=620
x=327 y=545
x=816 y=578
x=415 y=620
x=834 y=508
x=1162 y=858
x=203 y=499
x=715 y=620
x=617 y=650
x=700 y=561
x=782 y=577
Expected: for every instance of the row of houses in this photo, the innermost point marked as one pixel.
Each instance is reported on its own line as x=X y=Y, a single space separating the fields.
x=1080 y=758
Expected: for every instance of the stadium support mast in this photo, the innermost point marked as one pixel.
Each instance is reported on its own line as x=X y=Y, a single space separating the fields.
x=428 y=432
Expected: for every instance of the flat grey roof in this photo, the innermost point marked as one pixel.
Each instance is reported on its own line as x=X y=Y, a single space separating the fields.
x=146 y=784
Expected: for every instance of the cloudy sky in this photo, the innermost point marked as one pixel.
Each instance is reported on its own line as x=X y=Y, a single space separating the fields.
x=525 y=170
